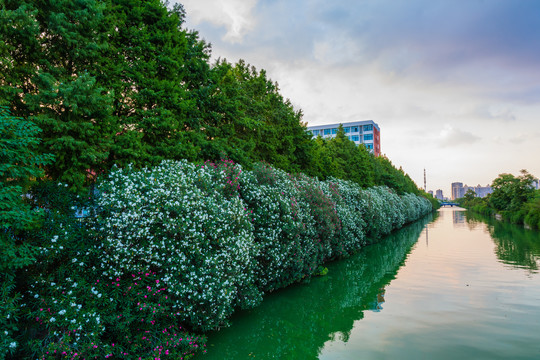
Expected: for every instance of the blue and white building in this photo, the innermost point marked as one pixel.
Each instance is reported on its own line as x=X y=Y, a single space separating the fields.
x=365 y=132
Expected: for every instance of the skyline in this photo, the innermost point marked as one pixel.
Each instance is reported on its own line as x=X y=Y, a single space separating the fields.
x=454 y=86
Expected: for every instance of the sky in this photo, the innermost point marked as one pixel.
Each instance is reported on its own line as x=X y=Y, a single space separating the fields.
x=454 y=85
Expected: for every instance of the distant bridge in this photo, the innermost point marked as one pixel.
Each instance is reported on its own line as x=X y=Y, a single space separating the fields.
x=447 y=203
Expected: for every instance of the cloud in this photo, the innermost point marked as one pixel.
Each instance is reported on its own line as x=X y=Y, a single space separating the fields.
x=235 y=15
x=451 y=137
x=444 y=79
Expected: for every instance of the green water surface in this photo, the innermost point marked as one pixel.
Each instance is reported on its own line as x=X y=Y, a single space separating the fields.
x=450 y=287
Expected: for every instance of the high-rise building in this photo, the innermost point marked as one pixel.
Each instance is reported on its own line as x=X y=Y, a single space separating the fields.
x=439 y=194
x=365 y=132
x=459 y=191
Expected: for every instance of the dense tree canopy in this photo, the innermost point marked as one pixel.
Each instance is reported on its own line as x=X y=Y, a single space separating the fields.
x=511 y=192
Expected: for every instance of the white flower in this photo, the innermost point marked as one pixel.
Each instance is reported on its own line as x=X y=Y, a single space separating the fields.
x=13 y=345
x=52 y=319
x=62 y=312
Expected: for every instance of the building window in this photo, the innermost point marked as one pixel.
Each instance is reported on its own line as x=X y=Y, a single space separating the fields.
x=315 y=132
x=369 y=146
x=326 y=131
x=368 y=137
x=355 y=138
x=334 y=131
x=368 y=127
x=354 y=129
x=347 y=130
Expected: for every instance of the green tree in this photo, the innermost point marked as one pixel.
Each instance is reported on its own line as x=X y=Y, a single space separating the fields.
x=19 y=164
x=470 y=195
x=148 y=66
x=349 y=161
x=51 y=48
x=510 y=192
x=108 y=82
x=244 y=116
x=386 y=173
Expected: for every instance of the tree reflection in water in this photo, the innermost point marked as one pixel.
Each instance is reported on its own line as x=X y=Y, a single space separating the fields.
x=515 y=245
x=295 y=322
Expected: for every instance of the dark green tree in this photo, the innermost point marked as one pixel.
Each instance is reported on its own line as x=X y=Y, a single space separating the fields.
x=469 y=196
x=510 y=192
x=148 y=66
x=108 y=82
x=19 y=164
x=246 y=118
x=351 y=162
x=386 y=173
x=51 y=49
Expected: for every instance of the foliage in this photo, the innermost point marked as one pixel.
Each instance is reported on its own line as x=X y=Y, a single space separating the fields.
x=510 y=192
x=513 y=198
x=19 y=163
x=121 y=82
x=532 y=211
x=176 y=248
x=282 y=225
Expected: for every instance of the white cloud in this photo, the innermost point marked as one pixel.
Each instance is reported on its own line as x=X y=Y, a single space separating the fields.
x=454 y=87
x=450 y=136
x=235 y=15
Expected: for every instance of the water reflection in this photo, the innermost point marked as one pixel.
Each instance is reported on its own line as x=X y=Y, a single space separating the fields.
x=458 y=217
x=295 y=323
x=515 y=245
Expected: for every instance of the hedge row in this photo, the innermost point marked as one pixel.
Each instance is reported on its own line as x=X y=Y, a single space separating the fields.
x=175 y=249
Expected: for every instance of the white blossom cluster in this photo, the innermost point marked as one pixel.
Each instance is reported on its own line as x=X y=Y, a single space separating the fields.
x=61 y=310
x=283 y=228
x=174 y=220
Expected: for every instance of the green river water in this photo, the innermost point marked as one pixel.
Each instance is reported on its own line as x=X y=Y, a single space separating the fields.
x=451 y=286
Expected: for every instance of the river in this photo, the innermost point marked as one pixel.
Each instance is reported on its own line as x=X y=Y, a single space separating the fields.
x=450 y=286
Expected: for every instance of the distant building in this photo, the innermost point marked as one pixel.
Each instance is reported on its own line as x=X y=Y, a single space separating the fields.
x=365 y=132
x=482 y=191
x=430 y=192
x=439 y=194
x=459 y=191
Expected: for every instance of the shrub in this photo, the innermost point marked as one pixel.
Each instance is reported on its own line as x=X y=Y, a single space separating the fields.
x=180 y=221
x=177 y=248
x=283 y=227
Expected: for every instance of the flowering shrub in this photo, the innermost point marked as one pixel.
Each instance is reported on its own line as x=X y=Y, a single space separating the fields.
x=349 y=205
x=177 y=248
x=324 y=212
x=282 y=225
x=180 y=220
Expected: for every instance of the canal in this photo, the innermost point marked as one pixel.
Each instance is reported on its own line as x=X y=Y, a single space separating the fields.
x=450 y=286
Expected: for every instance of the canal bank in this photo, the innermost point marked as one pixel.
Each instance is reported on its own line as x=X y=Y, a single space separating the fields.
x=445 y=288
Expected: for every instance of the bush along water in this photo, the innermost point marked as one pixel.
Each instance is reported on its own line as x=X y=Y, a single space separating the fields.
x=171 y=251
